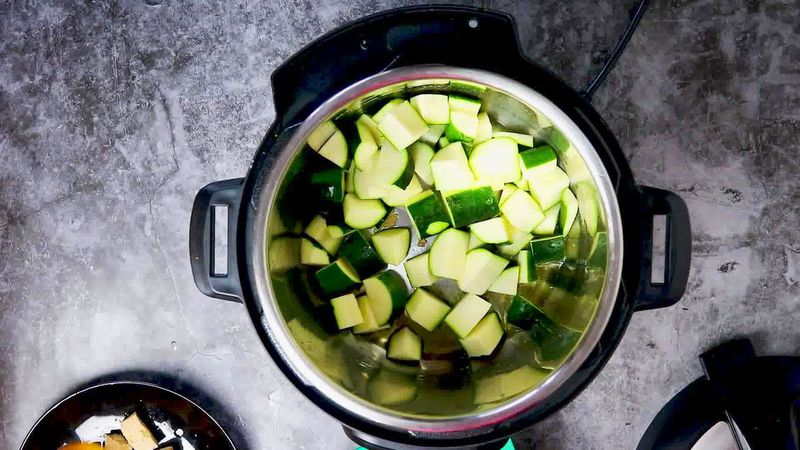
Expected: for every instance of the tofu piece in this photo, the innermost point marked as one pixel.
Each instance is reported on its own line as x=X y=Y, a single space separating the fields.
x=137 y=434
x=116 y=442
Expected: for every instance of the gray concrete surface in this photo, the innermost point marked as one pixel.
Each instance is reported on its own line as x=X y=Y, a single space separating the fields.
x=113 y=114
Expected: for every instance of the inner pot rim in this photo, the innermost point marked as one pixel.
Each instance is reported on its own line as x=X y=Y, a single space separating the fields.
x=276 y=327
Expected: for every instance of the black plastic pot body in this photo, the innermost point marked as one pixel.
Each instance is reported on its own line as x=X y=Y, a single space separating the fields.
x=461 y=37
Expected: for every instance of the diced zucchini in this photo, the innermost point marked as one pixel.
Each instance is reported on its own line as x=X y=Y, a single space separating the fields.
x=321 y=134
x=484 y=128
x=520 y=312
x=335 y=236
x=367 y=184
x=548 y=250
x=546 y=187
x=599 y=252
x=312 y=255
x=481 y=268
x=527 y=267
x=483 y=339
x=449 y=253
x=572 y=162
x=394 y=196
x=555 y=341
x=335 y=149
x=574 y=242
x=361 y=255
x=346 y=311
x=519 y=240
x=284 y=253
x=450 y=168
x=324 y=235
x=317 y=229
x=369 y=324
x=468 y=105
x=474 y=242
x=363 y=146
x=426 y=309
x=390 y=388
x=402 y=125
x=390 y=105
x=387 y=294
x=587 y=205
x=419 y=272
x=442 y=142
x=392 y=244
x=405 y=345
x=469 y=310
x=463 y=127
x=372 y=126
x=521 y=211
x=349 y=179
x=329 y=185
x=361 y=214
x=495 y=161
x=508 y=189
x=538 y=159
x=506 y=385
x=337 y=277
x=507 y=282
x=568 y=212
x=550 y=222
x=431 y=137
x=556 y=139
x=491 y=231
x=468 y=206
x=421 y=154
x=427 y=214
x=433 y=108
x=393 y=166
x=524 y=140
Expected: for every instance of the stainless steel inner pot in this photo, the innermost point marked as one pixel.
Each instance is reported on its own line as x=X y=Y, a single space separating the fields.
x=509 y=103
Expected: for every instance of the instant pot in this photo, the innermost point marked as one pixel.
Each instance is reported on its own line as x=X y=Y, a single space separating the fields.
x=375 y=58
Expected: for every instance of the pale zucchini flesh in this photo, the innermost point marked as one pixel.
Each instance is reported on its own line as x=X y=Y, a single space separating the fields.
x=346 y=311
x=361 y=214
x=481 y=268
x=392 y=244
x=405 y=345
x=450 y=168
x=483 y=339
x=335 y=149
x=506 y=282
x=491 y=231
x=402 y=125
x=433 y=108
x=368 y=324
x=426 y=309
x=522 y=211
x=495 y=161
x=421 y=154
x=419 y=272
x=448 y=254
x=469 y=310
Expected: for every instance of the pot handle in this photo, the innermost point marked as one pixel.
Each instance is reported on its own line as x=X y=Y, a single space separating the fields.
x=224 y=286
x=410 y=35
x=677 y=249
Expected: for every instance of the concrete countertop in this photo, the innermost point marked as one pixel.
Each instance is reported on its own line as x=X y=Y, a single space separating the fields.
x=114 y=114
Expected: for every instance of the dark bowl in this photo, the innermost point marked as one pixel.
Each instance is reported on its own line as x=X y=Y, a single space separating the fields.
x=57 y=425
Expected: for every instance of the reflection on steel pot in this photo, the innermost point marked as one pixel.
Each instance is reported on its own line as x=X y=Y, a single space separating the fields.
x=448 y=399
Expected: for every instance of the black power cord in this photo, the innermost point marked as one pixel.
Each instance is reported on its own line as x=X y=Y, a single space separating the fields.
x=633 y=22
